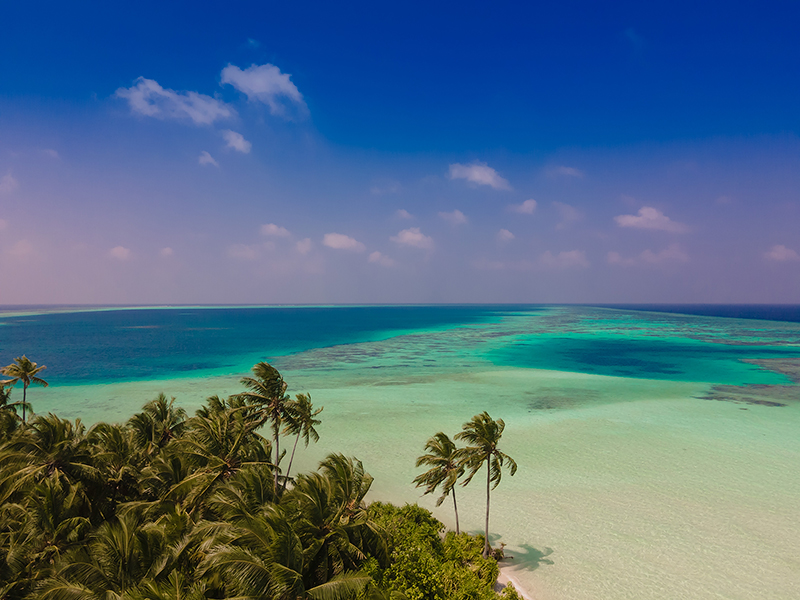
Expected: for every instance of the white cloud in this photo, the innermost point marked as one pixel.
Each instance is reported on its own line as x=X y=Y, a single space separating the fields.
x=569 y=214
x=504 y=235
x=274 y=230
x=566 y=172
x=266 y=84
x=243 y=252
x=8 y=184
x=120 y=253
x=165 y=252
x=304 y=246
x=781 y=253
x=672 y=253
x=454 y=218
x=413 y=237
x=479 y=173
x=206 y=159
x=339 y=241
x=564 y=260
x=51 y=153
x=402 y=213
x=148 y=98
x=651 y=218
x=526 y=208
x=236 y=141
x=381 y=259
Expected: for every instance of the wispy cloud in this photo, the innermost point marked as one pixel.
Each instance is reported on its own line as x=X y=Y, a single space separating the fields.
x=166 y=252
x=569 y=214
x=8 y=184
x=563 y=171
x=266 y=84
x=339 y=241
x=270 y=229
x=780 y=253
x=50 y=152
x=454 y=218
x=388 y=187
x=526 y=208
x=120 y=253
x=22 y=248
x=236 y=141
x=304 y=246
x=504 y=235
x=206 y=159
x=671 y=254
x=402 y=213
x=564 y=260
x=651 y=218
x=380 y=259
x=413 y=237
x=479 y=173
x=147 y=97
x=243 y=252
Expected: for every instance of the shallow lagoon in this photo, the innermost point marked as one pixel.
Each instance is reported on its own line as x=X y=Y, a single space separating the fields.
x=631 y=484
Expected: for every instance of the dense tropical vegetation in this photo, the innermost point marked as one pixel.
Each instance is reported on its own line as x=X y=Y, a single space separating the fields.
x=169 y=506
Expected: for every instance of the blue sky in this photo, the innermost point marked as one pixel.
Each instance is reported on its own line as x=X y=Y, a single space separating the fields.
x=469 y=152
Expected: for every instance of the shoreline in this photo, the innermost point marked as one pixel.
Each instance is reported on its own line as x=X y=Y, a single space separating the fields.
x=505 y=577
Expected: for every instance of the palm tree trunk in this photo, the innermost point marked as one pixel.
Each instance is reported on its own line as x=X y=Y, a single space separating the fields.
x=289 y=468
x=455 y=507
x=24 y=403
x=486 y=546
x=277 y=458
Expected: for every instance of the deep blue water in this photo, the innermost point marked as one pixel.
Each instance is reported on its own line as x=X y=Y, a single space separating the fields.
x=134 y=344
x=160 y=343
x=767 y=312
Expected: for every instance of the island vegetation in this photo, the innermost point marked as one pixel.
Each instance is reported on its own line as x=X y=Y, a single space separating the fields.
x=169 y=506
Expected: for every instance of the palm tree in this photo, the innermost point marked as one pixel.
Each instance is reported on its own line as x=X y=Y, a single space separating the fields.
x=23 y=369
x=49 y=447
x=265 y=559
x=267 y=391
x=446 y=468
x=158 y=424
x=482 y=434
x=301 y=421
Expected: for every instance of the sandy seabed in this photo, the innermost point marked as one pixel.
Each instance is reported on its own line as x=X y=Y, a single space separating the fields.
x=627 y=488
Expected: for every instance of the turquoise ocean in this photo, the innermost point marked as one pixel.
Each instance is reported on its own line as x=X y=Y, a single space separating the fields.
x=658 y=447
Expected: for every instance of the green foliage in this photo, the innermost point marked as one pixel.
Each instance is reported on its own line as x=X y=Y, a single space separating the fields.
x=510 y=593
x=425 y=565
x=173 y=507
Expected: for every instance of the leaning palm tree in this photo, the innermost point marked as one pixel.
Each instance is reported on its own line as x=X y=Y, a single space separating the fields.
x=301 y=422
x=446 y=468
x=482 y=434
x=26 y=371
x=267 y=391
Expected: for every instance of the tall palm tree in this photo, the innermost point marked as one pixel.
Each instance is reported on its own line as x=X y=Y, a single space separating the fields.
x=301 y=421
x=482 y=435
x=267 y=391
x=446 y=468
x=26 y=371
